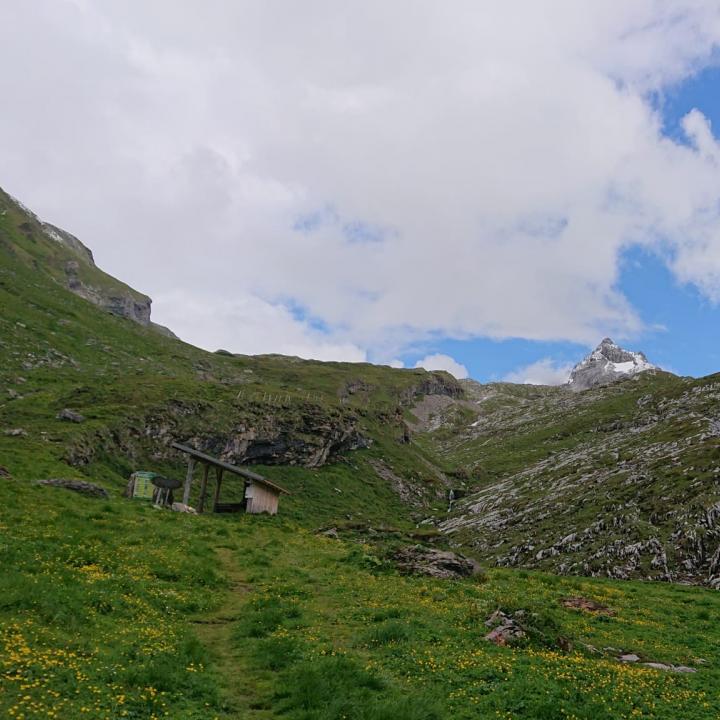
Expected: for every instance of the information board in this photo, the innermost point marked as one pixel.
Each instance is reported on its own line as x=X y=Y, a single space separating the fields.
x=143 y=487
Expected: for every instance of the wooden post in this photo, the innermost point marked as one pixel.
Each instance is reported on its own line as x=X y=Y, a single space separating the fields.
x=218 y=474
x=203 y=488
x=188 y=480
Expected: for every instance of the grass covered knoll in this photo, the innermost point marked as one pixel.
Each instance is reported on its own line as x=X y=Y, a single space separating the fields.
x=111 y=609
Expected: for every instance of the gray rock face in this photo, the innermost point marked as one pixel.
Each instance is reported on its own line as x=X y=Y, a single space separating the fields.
x=606 y=364
x=310 y=440
x=112 y=296
x=409 y=492
x=311 y=436
x=135 y=307
x=637 y=495
x=670 y=668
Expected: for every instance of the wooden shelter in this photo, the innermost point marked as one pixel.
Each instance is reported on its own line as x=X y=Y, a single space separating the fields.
x=259 y=496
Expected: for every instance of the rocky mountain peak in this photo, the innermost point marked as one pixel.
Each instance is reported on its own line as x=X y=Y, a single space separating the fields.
x=607 y=363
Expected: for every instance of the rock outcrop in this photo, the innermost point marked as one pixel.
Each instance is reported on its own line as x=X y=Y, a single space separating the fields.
x=306 y=435
x=607 y=363
x=621 y=481
x=70 y=416
x=506 y=629
x=74 y=266
x=420 y=560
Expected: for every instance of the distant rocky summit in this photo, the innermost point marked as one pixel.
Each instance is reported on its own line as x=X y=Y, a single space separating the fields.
x=607 y=363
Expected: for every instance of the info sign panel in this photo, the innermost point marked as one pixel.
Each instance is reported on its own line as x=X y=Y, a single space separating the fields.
x=143 y=487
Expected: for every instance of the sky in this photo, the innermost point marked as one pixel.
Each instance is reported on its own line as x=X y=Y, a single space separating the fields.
x=487 y=188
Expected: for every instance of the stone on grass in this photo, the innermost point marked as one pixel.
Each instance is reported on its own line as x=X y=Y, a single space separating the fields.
x=5 y=473
x=78 y=486
x=16 y=432
x=587 y=605
x=506 y=629
x=670 y=668
x=182 y=508
x=70 y=416
x=629 y=658
x=420 y=560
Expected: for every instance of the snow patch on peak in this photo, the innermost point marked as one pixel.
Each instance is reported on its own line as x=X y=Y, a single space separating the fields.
x=607 y=363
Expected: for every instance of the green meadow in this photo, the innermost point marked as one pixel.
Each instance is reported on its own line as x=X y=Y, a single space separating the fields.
x=113 y=609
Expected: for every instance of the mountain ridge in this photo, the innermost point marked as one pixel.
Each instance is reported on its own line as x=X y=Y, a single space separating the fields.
x=607 y=363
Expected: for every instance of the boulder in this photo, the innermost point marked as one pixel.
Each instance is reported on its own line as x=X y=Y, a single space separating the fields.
x=70 y=416
x=182 y=508
x=79 y=486
x=5 y=473
x=16 y=432
x=420 y=560
x=591 y=606
x=670 y=668
x=506 y=629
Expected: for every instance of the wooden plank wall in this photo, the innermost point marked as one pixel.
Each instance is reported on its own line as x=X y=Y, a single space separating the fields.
x=263 y=499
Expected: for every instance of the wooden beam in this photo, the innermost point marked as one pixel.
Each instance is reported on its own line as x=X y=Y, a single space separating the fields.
x=218 y=474
x=203 y=488
x=188 y=480
x=202 y=457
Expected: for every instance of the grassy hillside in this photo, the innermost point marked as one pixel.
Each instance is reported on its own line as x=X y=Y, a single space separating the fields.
x=139 y=391
x=112 y=609
x=24 y=237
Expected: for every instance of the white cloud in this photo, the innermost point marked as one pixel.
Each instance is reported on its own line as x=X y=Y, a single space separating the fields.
x=543 y=372
x=483 y=186
x=252 y=326
x=439 y=361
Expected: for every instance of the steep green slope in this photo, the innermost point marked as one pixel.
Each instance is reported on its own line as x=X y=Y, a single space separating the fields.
x=62 y=256
x=139 y=391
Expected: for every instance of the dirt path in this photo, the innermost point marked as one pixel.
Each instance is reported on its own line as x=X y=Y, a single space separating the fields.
x=241 y=692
